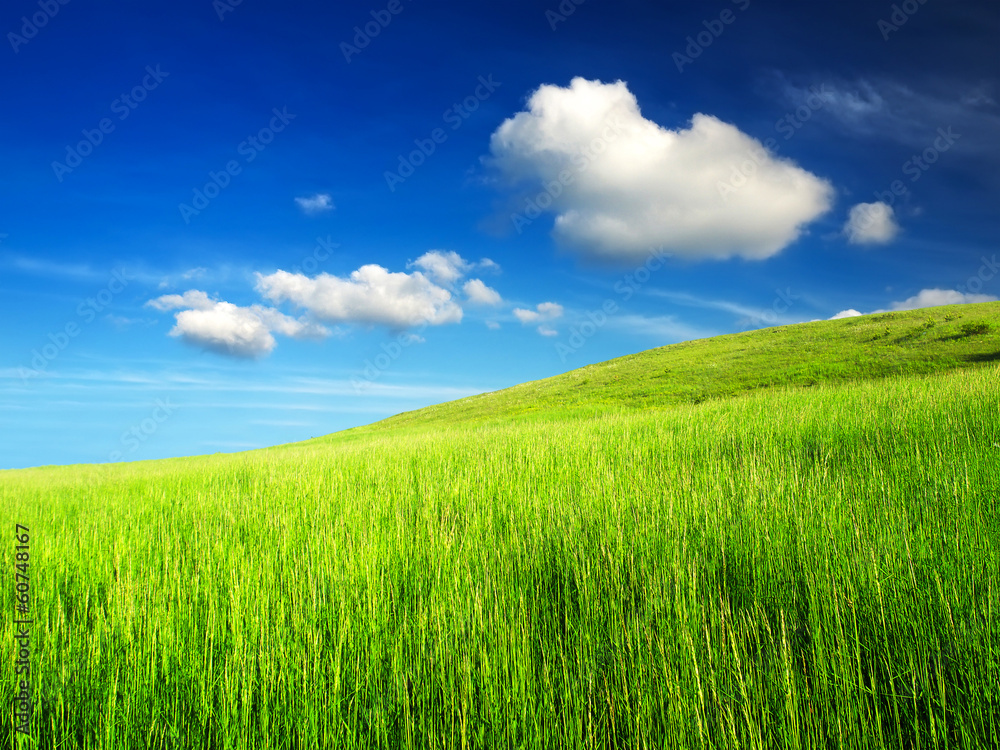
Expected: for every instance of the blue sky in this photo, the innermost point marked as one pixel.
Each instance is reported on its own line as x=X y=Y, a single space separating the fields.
x=226 y=226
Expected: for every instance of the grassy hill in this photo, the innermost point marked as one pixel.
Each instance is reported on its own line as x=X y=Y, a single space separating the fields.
x=936 y=339
x=779 y=539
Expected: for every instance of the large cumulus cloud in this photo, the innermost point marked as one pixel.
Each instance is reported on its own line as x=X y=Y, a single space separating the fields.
x=620 y=184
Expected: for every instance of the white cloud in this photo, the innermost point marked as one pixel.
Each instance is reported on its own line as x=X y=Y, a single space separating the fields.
x=193 y=299
x=480 y=294
x=492 y=325
x=871 y=224
x=370 y=295
x=550 y=309
x=542 y=311
x=937 y=297
x=636 y=185
x=488 y=265
x=925 y=298
x=443 y=267
x=316 y=204
x=226 y=328
x=852 y=313
x=447 y=267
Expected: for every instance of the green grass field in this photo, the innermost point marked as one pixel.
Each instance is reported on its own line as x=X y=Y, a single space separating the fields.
x=780 y=539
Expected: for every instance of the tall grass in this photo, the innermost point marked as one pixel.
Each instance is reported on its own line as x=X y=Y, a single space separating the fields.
x=791 y=569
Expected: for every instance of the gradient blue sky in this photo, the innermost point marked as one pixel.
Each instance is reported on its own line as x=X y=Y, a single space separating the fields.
x=138 y=329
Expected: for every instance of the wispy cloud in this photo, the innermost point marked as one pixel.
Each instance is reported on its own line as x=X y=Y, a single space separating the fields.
x=315 y=204
x=885 y=108
x=665 y=327
x=49 y=268
x=744 y=312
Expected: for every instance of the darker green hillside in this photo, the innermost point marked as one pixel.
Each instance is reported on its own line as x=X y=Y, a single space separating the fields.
x=861 y=348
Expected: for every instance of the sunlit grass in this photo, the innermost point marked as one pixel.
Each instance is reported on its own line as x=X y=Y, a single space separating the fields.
x=799 y=568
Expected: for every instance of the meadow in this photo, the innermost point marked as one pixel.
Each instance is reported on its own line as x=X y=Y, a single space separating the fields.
x=725 y=562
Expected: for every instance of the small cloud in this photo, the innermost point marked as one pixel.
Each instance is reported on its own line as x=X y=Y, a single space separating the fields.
x=543 y=312
x=445 y=267
x=526 y=316
x=488 y=265
x=492 y=325
x=846 y=314
x=871 y=224
x=194 y=299
x=480 y=294
x=370 y=295
x=225 y=328
x=316 y=204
